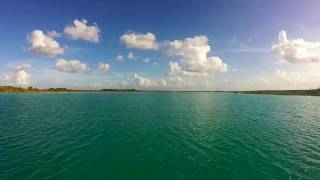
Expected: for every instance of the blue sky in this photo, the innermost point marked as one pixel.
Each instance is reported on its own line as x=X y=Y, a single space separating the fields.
x=192 y=45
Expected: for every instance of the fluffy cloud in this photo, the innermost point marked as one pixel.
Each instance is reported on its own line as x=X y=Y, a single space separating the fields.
x=145 y=83
x=176 y=81
x=297 y=50
x=54 y=34
x=140 y=41
x=42 y=44
x=169 y=83
x=104 y=67
x=282 y=75
x=18 y=76
x=119 y=57
x=297 y=79
x=195 y=60
x=141 y=81
x=131 y=56
x=80 y=30
x=71 y=66
x=280 y=79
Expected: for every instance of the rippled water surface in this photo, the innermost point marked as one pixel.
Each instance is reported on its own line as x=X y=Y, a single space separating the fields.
x=194 y=135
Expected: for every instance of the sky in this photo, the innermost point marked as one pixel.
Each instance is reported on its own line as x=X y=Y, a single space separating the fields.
x=160 y=45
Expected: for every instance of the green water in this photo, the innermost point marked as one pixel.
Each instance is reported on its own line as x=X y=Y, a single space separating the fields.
x=194 y=135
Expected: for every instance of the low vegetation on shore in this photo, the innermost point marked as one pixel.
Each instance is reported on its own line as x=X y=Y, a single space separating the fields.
x=310 y=92
x=11 y=89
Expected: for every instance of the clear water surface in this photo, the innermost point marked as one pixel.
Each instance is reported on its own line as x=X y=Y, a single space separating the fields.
x=191 y=135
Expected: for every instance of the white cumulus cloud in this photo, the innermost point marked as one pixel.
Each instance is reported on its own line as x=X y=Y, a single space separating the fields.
x=297 y=50
x=80 y=30
x=119 y=57
x=71 y=66
x=195 y=60
x=54 y=34
x=131 y=56
x=176 y=81
x=18 y=76
x=140 y=41
x=104 y=67
x=141 y=81
x=146 y=83
x=169 y=83
x=42 y=44
x=282 y=75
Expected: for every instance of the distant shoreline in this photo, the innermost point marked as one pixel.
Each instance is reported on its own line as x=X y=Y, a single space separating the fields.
x=31 y=90
x=310 y=92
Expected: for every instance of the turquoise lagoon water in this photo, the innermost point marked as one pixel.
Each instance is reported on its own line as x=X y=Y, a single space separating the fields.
x=191 y=135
